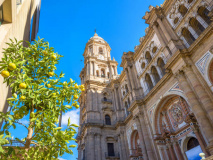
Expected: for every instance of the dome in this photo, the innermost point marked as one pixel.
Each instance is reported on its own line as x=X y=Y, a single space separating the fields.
x=96 y=38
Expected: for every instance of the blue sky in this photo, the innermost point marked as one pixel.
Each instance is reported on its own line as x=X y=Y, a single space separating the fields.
x=69 y=24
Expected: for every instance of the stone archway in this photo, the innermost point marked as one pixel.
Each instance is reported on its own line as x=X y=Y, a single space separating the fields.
x=210 y=72
x=190 y=145
x=135 y=145
x=173 y=120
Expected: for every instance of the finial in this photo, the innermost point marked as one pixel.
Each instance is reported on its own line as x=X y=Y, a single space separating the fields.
x=95 y=33
x=202 y=155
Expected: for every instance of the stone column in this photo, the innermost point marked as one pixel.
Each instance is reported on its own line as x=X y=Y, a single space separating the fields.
x=199 y=138
x=171 y=151
x=131 y=77
x=91 y=151
x=91 y=67
x=125 y=149
x=87 y=68
x=117 y=97
x=98 y=147
x=147 y=140
x=94 y=70
x=91 y=99
x=201 y=93
x=191 y=30
x=162 y=152
x=185 y=41
x=197 y=109
x=153 y=80
x=164 y=29
x=202 y=22
x=128 y=79
x=177 y=149
x=159 y=35
x=159 y=71
x=141 y=137
x=95 y=100
x=116 y=72
x=79 y=153
x=87 y=147
x=120 y=147
x=168 y=153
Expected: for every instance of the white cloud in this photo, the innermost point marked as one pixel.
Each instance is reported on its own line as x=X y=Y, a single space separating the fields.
x=61 y=159
x=24 y=121
x=74 y=117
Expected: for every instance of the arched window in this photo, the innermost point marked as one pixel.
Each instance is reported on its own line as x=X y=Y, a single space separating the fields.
x=135 y=144
x=105 y=99
x=188 y=36
x=211 y=72
x=176 y=20
x=148 y=57
x=192 y=143
x=148 y=82
x=107 y=120
x=143 y=65
x=126 y=88
x=90 y=50
x=97 y=73
x=161 y=65
x=126 y=108
x=154 y=49
x=102 y=73
x=198 y=28
x=100 y=50
x=155 y=74
x=128 y=102
x=203 y=12
x=183 y=10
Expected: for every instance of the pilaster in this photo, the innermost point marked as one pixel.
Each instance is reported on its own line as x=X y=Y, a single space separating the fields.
x=195 y=105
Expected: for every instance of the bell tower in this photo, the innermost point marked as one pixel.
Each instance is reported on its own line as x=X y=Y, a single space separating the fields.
x=98 y=65
x=99 y=70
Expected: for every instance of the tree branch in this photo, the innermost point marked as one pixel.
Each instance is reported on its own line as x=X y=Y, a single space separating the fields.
x=21 y=124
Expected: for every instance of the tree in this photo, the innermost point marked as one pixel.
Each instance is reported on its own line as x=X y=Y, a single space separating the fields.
x=40 y=93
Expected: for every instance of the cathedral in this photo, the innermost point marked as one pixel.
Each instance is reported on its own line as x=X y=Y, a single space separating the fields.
x=161 y=105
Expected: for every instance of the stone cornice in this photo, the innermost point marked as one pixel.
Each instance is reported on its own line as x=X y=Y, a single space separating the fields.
x=135 y=104
x=128 y=118
x=95 y=59
x=93 y=43
x=143 y=44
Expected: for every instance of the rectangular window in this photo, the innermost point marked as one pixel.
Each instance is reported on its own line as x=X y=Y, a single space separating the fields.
x=1 y=15
x=110 y=147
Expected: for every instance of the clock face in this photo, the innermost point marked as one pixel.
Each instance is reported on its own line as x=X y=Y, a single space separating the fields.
x=101 y=57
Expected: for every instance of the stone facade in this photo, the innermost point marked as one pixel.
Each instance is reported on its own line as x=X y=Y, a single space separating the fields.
x=18 y=19
x=161 y=105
